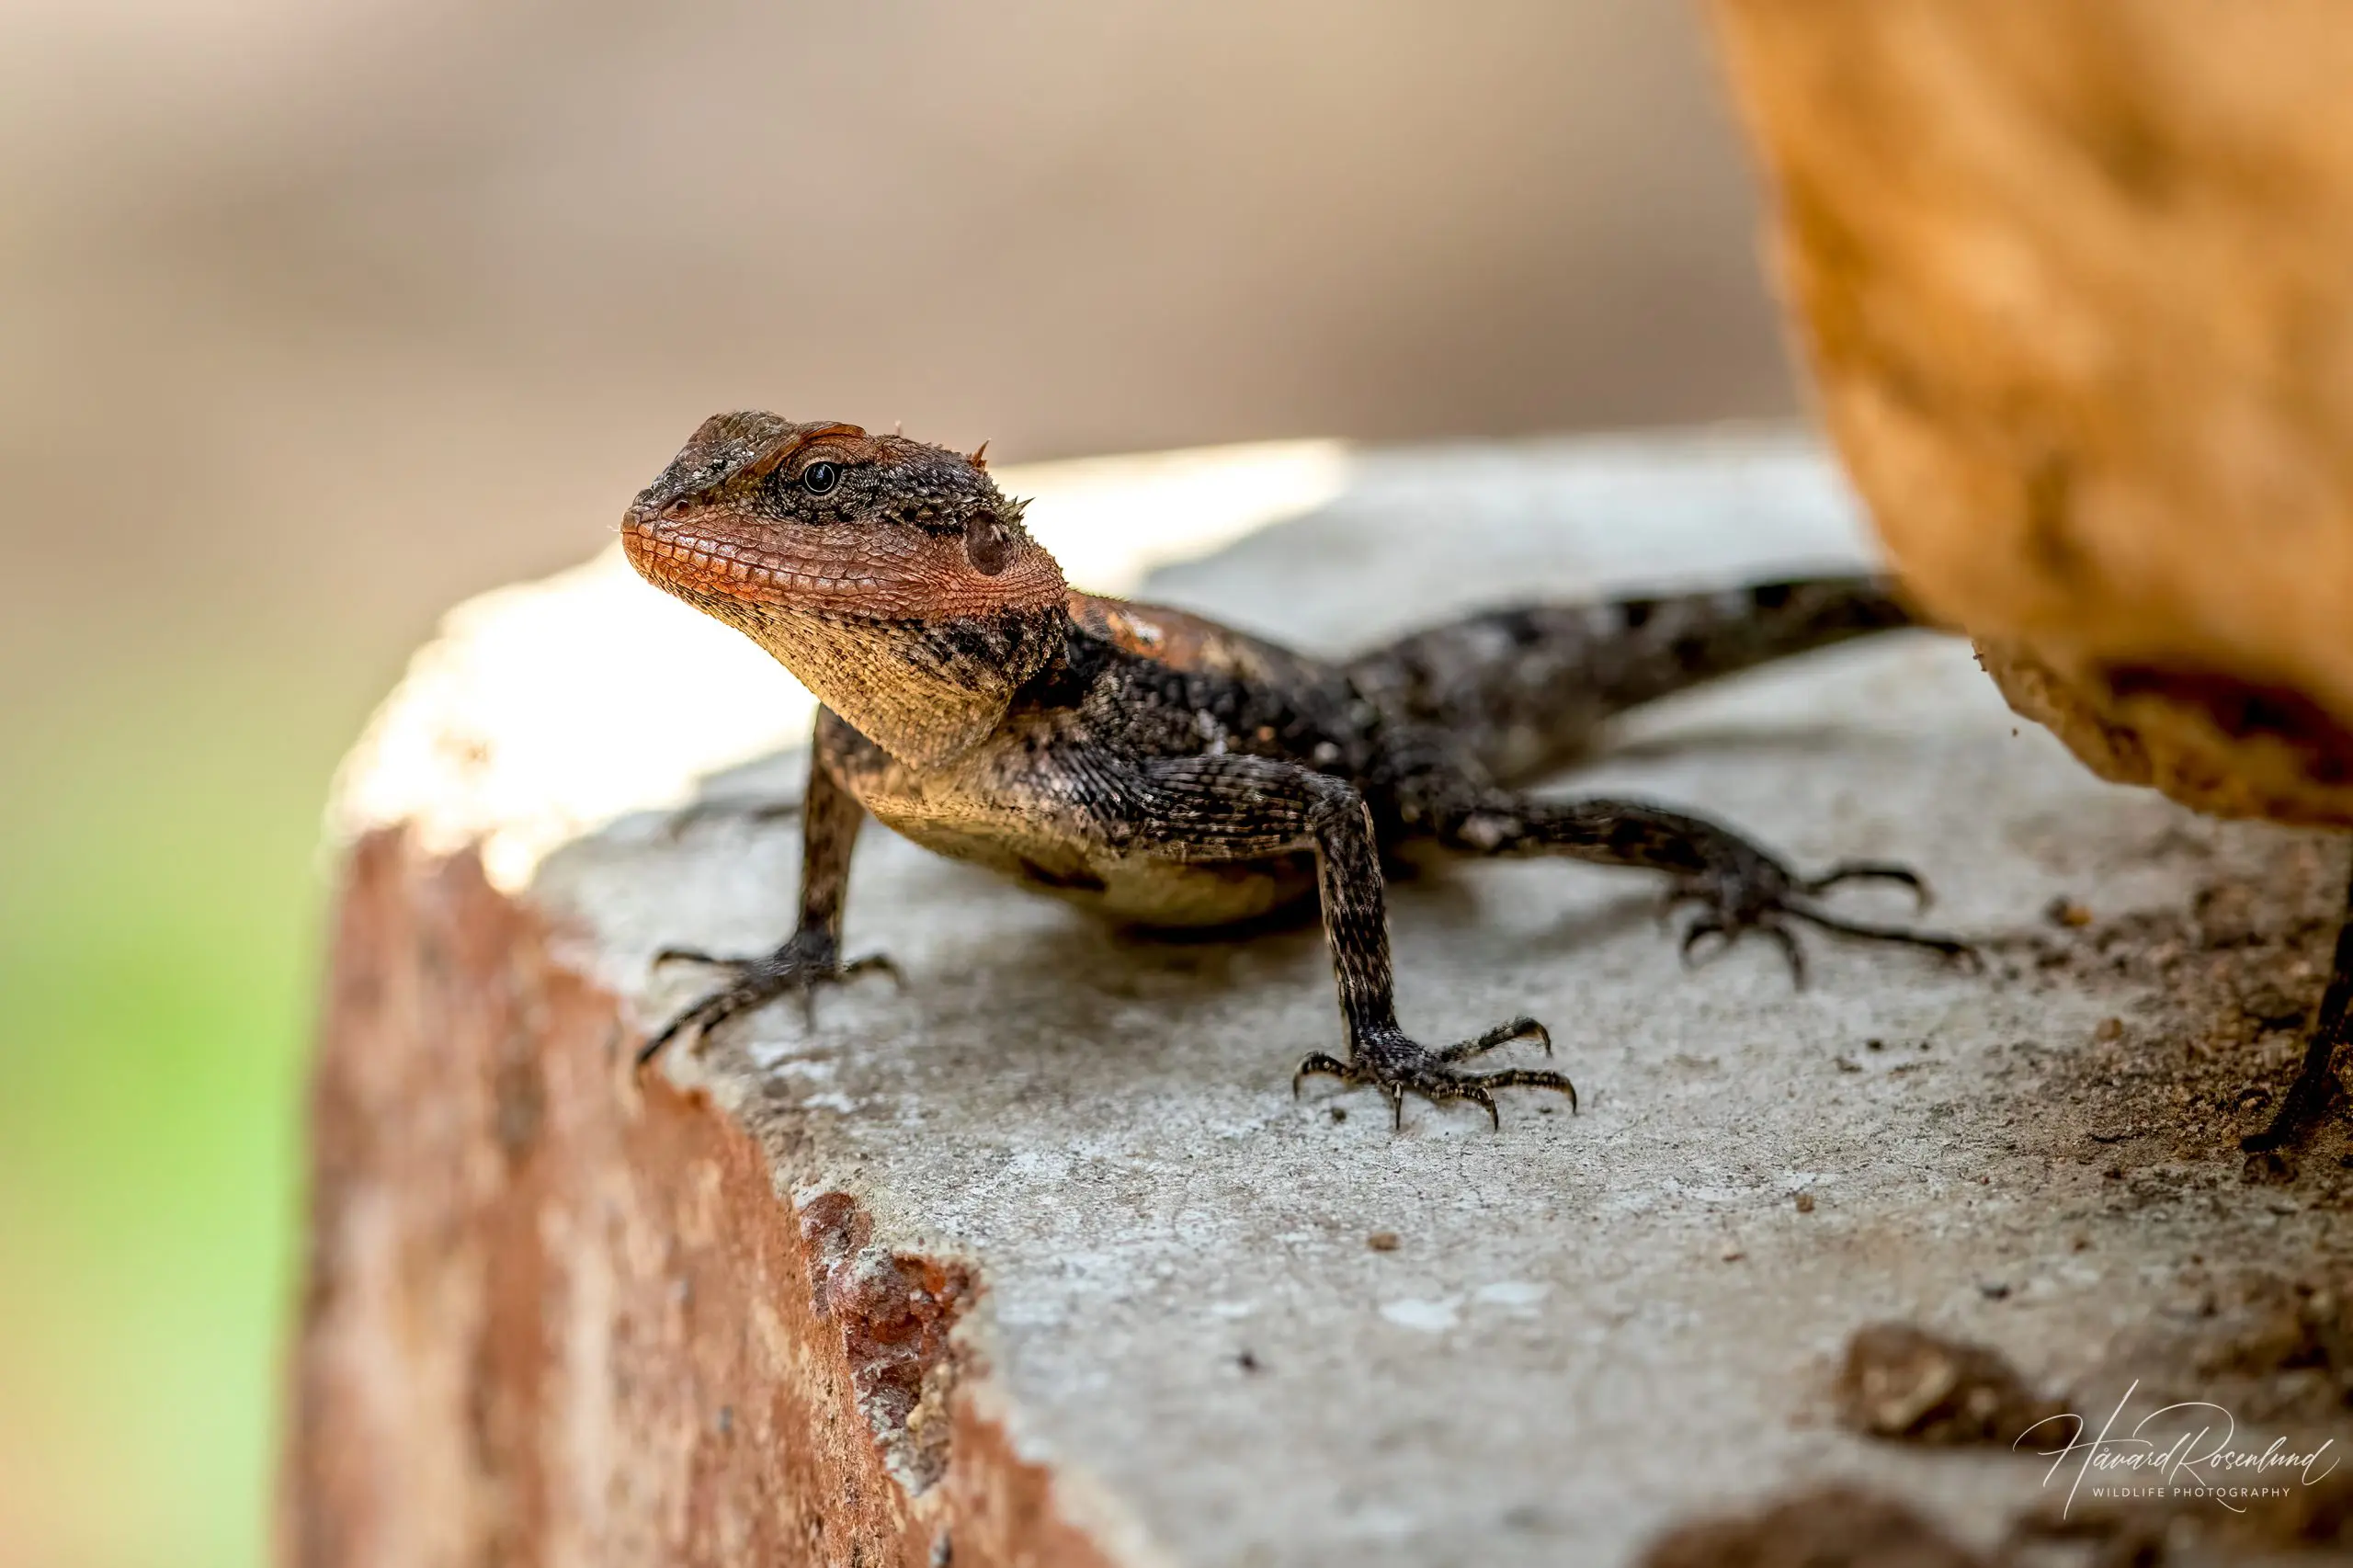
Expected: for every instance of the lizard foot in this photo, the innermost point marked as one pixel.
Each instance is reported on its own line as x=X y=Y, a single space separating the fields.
x=1397 y=1067
x=1746 y=890
x=799 y=967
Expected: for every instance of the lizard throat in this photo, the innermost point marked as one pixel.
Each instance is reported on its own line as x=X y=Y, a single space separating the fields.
x=893 y=627
x=926 y=689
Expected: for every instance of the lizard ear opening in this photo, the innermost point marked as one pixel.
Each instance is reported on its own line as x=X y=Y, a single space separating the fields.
x=988 y=543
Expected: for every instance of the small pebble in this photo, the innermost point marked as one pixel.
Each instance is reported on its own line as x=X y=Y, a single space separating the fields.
x=2066 y=911
x=1994 y=1289
x=2110 y=1030
x=1734 y=1255
x=1805 y=1203
x=1382 y=1240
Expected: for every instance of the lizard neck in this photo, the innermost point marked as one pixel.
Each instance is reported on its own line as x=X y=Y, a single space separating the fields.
x=926 y=691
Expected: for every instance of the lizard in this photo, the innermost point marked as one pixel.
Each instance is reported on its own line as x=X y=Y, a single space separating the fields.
x=1173 y=772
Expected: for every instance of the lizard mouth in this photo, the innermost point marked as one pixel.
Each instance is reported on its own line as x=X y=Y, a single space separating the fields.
x=702 y=563
x=844 y=571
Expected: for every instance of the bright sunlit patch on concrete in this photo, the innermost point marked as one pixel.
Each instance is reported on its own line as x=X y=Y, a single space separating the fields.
x=500 y=734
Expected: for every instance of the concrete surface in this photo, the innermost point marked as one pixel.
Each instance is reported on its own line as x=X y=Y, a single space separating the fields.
x=1590 y=1326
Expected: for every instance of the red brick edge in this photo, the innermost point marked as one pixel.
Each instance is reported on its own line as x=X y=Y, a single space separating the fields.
x=552 y=1316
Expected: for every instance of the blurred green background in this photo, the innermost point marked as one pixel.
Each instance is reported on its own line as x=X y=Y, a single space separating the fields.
x=315 y=318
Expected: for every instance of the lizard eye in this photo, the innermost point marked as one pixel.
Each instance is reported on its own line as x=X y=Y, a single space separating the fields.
x=820 y=478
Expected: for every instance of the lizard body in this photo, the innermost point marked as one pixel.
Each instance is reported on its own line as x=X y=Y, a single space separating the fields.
x=1172 y=771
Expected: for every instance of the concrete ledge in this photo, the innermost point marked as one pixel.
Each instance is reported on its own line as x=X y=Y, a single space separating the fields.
x=1041 y=1261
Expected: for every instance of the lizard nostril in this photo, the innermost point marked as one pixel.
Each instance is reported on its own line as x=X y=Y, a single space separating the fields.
x=674 y=509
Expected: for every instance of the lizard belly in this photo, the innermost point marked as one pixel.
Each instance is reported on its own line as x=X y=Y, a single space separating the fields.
x=1140 y=889
x=988 y=809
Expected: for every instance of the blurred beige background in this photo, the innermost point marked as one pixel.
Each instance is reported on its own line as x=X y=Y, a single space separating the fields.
x=315 y=318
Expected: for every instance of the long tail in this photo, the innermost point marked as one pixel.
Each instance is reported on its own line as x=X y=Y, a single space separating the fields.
x=1526 y=690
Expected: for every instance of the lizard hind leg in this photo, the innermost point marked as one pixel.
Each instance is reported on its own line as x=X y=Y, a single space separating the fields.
x=1740 y=887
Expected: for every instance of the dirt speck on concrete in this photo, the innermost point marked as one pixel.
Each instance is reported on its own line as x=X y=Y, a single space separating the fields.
x=2278 y=1346
x=1836 y=1526
x=1906 y=1383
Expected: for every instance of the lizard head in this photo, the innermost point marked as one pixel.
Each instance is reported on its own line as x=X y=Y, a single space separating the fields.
x=894 y=578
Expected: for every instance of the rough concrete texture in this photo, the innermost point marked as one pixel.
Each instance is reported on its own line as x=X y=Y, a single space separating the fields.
x=2073 y=280
x=1041 y=1261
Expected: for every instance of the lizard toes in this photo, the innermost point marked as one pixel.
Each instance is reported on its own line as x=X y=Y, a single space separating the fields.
x=1521 y=1027
x=697 y=955
x=1397 y=1067
x=1873 y=871
x=1320 y=1063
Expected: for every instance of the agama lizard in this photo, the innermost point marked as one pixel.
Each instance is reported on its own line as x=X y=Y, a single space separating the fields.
x=1173 y=772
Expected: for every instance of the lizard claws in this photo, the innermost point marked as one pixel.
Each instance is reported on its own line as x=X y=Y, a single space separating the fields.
x=1873 y=871
x=799 y=967
x=1706 y=926
x=696 y=955
x=1752 y=891
x=1396 y=1066
x=876 y=963
x=1702 y=928
x=1317 y=1063
x=1521 y=1027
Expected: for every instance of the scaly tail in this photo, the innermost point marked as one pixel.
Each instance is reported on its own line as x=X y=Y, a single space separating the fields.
x=1524 y=690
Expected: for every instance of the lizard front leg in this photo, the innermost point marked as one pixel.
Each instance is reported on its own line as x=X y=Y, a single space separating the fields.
x=811 y=957
x=1740 y=887
x=1227 y=808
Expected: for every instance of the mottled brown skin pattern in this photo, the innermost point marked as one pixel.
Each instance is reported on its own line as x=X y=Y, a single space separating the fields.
x=1167 y=769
